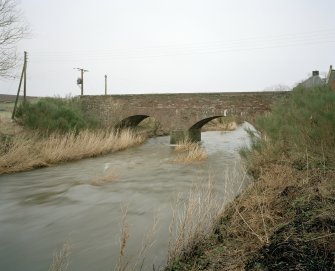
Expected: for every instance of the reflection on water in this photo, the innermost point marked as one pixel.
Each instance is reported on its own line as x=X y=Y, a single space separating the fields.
x=42 y=208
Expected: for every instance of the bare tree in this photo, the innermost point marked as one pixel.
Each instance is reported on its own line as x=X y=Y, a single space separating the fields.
x=278 y=87
x=12 y=30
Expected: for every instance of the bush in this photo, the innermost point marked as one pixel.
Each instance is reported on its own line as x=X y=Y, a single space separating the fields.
x=55 y=114
x=302 y=128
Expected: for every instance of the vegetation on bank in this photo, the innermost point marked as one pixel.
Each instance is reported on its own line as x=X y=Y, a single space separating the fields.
x=31 y=151
x=49 y=115
x=285 y=220
x=301 y=130
x=57 y=130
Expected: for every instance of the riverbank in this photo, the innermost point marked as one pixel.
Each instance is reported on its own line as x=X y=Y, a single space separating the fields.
x=29 y=151
x=285 y=220
x=49 y=131
x=31 y=143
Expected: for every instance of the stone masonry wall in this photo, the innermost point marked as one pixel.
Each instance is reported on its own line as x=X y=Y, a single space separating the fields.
x=179 y=111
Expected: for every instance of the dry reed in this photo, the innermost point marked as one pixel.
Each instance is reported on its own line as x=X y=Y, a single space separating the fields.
x=273 y=213
x=135 y=262
x=191 y=152
x=121 y=266
x=192 y=222
x=185 y=145
x=60 y=260
x=196 y=218
x=30 y=152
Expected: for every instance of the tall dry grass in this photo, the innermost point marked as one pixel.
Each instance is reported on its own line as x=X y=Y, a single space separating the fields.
x=193 y=221
x=60 y=259
x=134 y=262
x=190 y=152
x=28 y=152
x=196 y=217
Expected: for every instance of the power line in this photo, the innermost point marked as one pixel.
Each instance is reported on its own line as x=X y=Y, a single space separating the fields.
x=219 y=50
x=314 y=35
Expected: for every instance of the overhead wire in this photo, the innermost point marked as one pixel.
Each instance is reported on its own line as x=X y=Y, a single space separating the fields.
x=216 y=47
x=312 y=34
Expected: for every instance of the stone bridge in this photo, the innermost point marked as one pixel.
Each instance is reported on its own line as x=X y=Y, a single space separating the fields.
x=182 y=115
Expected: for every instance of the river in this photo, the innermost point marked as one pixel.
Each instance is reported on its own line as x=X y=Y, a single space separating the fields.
x=41 y=209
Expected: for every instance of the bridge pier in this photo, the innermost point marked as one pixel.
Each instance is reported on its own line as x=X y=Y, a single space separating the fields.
x=181 y=135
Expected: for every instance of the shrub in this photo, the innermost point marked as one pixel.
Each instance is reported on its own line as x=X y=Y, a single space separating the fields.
x=302 y=128
x=55 y=114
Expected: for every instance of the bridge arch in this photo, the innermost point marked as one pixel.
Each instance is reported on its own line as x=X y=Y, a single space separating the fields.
x=143 y=123
x=202 y=122
x=131 y=121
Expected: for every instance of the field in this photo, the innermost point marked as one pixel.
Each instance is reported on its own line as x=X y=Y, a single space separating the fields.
x=7 y=126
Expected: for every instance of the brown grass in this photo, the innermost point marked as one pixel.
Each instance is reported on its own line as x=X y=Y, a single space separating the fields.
x=193 y=221
x=134 y=262
x=195 y=218
x=60 y=260
x=285 y=214
x=28 y=152
x=269 y=206
x=7 y=125
x=191 y=152
x=121 y=266
x=185 y=145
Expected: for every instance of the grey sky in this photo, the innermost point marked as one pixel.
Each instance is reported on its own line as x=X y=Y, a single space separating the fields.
x=156 y=46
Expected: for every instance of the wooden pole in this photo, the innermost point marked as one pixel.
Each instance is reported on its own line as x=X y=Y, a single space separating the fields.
x=105 y=84
x=18 y=90
x=25 y=78
x=82 y=81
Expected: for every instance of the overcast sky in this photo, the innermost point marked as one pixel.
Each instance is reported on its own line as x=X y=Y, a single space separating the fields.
x=157 y=46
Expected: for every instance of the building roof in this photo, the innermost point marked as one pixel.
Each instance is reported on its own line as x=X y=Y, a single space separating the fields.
x=313 y=81
x=331 y=75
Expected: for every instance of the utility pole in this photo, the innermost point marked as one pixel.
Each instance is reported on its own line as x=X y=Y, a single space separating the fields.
x=81 y=81
x=23 y=76
x=105 y=84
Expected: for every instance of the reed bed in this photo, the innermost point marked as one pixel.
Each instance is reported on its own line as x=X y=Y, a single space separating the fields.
x=185 y=145
x=191 y=152
x=136 y=261
x=60 y=261
x=28 y=152
x=196 y=217
x=193 y=221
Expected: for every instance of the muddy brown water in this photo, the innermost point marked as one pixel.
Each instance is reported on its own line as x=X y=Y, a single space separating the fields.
x=41 y=209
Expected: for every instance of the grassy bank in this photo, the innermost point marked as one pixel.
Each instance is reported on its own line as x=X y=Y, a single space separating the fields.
x=33 y=151
x=55 y=130
x=285 y=220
